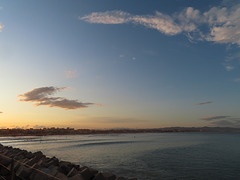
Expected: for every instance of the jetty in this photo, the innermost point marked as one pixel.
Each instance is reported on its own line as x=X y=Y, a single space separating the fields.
x=17 y=164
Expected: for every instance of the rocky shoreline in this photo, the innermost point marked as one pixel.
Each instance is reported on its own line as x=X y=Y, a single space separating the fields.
x=20 y=165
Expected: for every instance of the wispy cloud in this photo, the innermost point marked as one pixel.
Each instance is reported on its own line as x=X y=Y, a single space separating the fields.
x=202 y=103
x=1 y=27
x=223 y=121
x=233 y=57
x=232 y=61
x=20 y=127
x=40 y=96
x=108 y=17
x=39 y=127
x=237 y=80
x=210 y=118
x=222 y=22
x=71 y=74
x=159 y=21
x=229 y=68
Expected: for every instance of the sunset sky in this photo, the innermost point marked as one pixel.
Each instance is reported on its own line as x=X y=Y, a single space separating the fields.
x=119 y=64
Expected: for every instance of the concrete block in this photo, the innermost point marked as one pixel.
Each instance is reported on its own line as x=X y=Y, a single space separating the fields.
x=88 y=173
x=109 y=176
x=76 y=177
x=72 y=172
x=99 y=176
x=23 y=172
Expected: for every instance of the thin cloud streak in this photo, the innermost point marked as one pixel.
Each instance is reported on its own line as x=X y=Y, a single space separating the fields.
x=39 y=127
x=203 y=103
x=71 y=74
x=211 y=118
x=229 y=122
x=223 y=121
x=222 y=22
x=237 y=80
x=229 y=68
x=161 y=22
x=108 y=17
x=40 y=96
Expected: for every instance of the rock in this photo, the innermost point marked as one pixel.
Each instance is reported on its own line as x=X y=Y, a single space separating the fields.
x=19 y=157
x=38 y=166
x=43 y=173
x=38 y=154
x=29 y=155
x=99 y=176
x=76 y=166
x=32 y=161
x=64 y=163
x=40 y=162
x=82 y=168
x=45 y=170
x=54 y=170
x=24 y=160
x=76 y=177
x=88 y=173
x=40 y=176
x=23 y=172
x=109 y=176
x=121 y=178
x=16 y=166
x=6 y=162
x=64 y=168
x=35 y=166
x=53 y=161
x=17 y=154
x=61 y=176
x=4 y=171
x=72 y=172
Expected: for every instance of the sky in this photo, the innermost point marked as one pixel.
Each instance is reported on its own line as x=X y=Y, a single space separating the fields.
x=119 y=64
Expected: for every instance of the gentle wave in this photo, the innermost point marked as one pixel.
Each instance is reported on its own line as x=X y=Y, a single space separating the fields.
x=22 y=141
x=100 y=143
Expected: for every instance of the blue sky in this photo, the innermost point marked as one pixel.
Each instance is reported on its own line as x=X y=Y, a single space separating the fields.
x=91 y=64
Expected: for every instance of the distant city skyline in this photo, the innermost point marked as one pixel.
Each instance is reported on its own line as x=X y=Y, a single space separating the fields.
x=121 y=64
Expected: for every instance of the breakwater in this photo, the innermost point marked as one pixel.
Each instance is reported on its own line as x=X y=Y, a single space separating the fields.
x=21 y=164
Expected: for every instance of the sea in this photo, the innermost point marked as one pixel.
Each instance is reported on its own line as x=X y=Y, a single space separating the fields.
x=146 y=156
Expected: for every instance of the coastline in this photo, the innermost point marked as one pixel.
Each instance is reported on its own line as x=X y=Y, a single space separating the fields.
x=16 y=163
x=72 y=131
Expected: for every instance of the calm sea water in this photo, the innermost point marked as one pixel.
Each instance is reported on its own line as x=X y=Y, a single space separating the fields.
x=145 y=156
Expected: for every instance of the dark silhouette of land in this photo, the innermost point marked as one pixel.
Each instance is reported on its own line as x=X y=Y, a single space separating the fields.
x=72 y=131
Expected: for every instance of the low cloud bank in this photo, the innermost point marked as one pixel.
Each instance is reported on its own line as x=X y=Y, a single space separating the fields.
x=223 y=121
x=210 y=118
